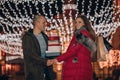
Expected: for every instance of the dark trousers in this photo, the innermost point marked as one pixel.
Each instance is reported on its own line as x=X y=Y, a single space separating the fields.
x=49 y=73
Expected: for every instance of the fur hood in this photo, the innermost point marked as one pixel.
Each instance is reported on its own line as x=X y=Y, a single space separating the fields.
x=87 y=42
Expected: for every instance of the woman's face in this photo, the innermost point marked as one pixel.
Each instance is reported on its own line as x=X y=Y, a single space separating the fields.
x=79 y=23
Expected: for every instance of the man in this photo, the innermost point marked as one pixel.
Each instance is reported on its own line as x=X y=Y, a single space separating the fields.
x=34 y=44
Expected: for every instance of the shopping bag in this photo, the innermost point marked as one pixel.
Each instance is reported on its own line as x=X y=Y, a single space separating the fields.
x=101 y=49
x=107 y=44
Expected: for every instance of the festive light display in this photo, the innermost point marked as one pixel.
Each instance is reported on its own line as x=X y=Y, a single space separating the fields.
x=113 y=59
x=16 y=17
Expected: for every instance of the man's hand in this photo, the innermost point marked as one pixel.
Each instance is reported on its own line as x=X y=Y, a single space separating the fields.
x=49 y=62
x=54 y=61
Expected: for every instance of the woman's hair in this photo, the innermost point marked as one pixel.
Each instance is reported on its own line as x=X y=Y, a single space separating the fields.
x=87 y=25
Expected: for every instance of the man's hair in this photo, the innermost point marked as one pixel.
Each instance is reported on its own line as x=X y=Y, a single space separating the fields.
x=36 y=18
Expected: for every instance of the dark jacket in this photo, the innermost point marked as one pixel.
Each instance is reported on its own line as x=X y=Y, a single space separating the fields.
x=34 y=64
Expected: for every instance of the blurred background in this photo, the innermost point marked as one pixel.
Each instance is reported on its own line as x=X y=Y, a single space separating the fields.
x=16 y=18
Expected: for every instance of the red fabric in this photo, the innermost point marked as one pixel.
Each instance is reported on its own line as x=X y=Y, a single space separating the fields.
x=82 y=70
x=53 y=38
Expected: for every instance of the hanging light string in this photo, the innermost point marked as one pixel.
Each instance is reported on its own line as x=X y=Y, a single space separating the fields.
x=106 y=10
x=56 y=7
x=94 y=19
x=77 y=10
x=89 y=9
x=25 y=11
x=102 y=17
x=20 y=21
x=51 y=15
x=102 y=28
x=83 y=2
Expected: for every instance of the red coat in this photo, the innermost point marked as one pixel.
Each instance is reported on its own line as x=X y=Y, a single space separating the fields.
x=80 y=70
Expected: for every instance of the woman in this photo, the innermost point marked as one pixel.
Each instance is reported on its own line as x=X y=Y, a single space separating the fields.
x=77 y=59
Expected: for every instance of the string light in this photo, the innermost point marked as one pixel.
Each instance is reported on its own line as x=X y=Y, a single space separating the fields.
x=77 y=11
x=83 y=7
x=10 y=41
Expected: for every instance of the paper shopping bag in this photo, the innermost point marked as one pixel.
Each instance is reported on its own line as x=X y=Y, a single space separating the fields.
x=101 y=49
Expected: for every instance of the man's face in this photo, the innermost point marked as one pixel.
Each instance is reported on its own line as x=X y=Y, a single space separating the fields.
x=42 y=23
